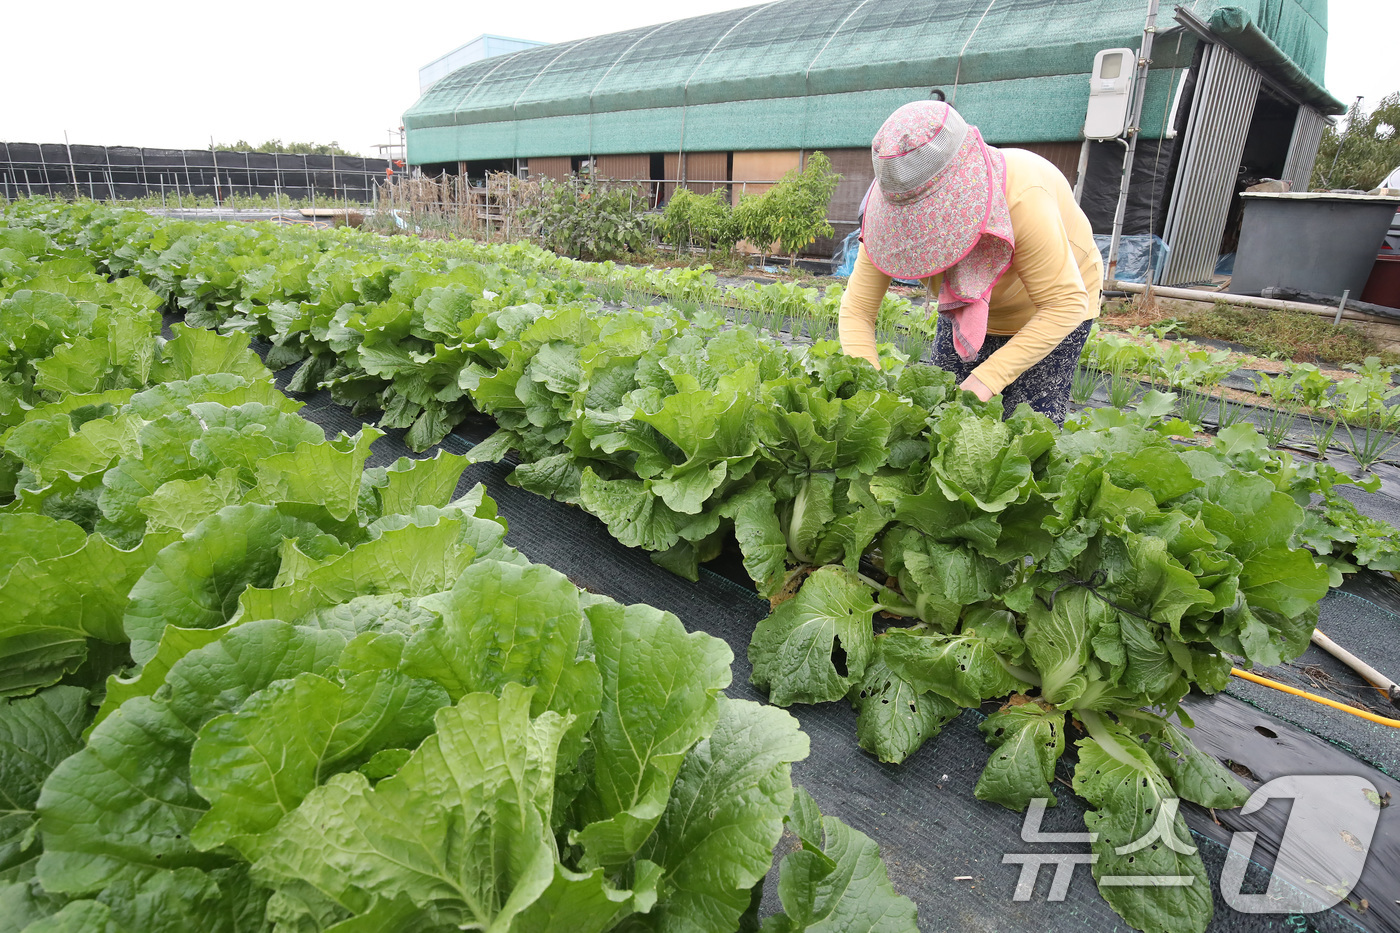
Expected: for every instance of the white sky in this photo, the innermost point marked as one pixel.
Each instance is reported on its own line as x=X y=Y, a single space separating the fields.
x=173 y=74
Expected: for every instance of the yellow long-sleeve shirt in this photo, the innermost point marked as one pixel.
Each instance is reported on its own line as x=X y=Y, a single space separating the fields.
x=1051 y=288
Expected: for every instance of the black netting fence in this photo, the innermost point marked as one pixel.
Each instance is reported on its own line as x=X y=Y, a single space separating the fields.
x=128 y=173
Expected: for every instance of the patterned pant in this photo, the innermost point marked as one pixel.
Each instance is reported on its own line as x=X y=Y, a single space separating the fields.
x=1045 y=386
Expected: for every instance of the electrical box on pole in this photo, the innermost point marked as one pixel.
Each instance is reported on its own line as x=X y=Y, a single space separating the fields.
x=1110 y=93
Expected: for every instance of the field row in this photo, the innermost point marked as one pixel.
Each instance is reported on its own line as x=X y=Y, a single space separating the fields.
x=923 y=555
x=254 y=685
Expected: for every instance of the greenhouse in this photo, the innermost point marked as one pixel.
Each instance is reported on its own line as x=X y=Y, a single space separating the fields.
x=738 y=97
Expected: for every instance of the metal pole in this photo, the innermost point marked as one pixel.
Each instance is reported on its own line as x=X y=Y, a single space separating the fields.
x=1134 y=130
x=1341 y=306
x=107 y=157
x=1356 y=109
x=189 y=181
x=1082 y=171
x=214 y=154
x=73 y=169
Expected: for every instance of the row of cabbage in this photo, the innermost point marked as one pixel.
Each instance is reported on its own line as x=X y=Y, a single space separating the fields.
x=1357 y=413
x=923 y=554
x=252 y=684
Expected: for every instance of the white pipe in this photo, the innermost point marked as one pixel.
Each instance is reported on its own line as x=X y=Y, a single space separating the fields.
x=1083 y=170
x=1373 y=676
x=1247 y=301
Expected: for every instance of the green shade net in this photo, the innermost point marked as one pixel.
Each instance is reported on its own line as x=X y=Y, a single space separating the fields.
x=817 y=73
x=1235 y=26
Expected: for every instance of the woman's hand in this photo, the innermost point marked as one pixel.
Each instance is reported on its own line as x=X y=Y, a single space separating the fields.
x=974 y=385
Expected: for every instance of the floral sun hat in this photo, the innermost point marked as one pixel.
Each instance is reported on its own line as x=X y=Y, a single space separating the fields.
x=938 y=204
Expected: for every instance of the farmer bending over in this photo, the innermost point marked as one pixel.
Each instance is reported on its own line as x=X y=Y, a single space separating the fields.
x=996 y=235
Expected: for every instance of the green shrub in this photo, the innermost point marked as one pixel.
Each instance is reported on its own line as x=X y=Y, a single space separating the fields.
x=755 y=222
x=704 y=220
x=586 y=219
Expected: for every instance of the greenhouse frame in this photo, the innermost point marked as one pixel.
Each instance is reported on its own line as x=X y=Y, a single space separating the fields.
x=1234 y=94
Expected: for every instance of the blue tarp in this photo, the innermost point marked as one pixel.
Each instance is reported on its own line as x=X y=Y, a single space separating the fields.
x=845 y=258
x=1133 y=256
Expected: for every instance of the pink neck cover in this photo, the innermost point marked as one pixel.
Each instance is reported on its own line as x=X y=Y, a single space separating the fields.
x=967 y=284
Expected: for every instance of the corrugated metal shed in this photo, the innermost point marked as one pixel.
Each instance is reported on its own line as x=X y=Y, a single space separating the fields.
x=807 y=74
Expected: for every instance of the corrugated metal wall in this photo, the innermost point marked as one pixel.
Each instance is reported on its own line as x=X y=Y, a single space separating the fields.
x=1211 y=148
x=624 y=167
x=763 y=166
x=699 y=167
x=856 y=175
x=1302 y=152
x=556 y=167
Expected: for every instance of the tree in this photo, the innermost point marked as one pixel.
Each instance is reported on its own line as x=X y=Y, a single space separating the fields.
x=1364 y=151
x=276 y=145
x=800 y=202
x=793 y=212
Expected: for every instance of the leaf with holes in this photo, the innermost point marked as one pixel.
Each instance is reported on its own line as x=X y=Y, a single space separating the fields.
x=817 y=644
